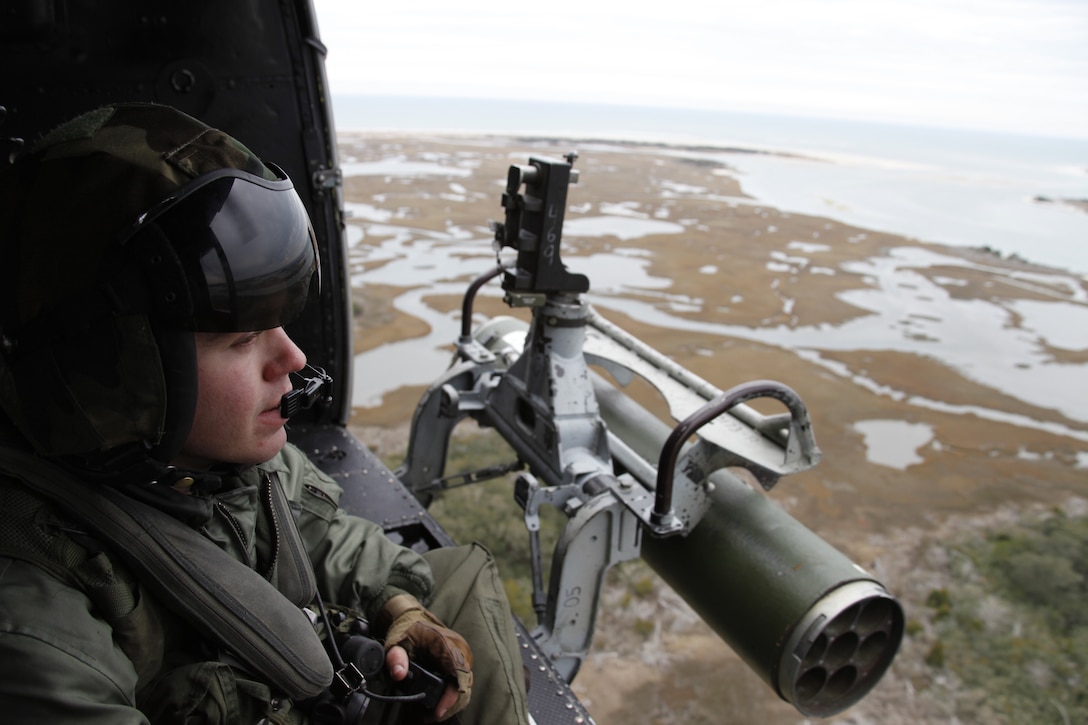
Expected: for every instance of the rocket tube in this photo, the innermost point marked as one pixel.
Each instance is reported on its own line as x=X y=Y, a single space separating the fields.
x=819 y=629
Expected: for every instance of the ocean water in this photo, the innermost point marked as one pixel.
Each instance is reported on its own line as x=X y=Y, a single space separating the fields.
x=953 y=186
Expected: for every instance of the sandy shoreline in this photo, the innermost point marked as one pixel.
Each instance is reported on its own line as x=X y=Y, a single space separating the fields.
x=947 y=344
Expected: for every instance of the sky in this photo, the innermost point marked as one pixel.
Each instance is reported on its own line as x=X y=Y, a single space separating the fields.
x=1003 y=65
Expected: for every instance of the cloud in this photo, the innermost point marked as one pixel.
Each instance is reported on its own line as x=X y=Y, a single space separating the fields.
x=997 y=64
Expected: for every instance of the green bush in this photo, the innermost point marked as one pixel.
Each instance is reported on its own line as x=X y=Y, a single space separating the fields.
x=1019 y=627
x=1045 y=565
x=644 y=627
x=941 y=604
x=644 y=587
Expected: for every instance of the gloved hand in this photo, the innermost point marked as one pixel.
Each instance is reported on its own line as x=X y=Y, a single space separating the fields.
x=425 y=638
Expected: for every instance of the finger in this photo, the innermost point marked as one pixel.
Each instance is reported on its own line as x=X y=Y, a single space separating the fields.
x=445 y=702
x=396 y=661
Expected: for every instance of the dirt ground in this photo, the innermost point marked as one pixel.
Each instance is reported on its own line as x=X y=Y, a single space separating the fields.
x=975 y=470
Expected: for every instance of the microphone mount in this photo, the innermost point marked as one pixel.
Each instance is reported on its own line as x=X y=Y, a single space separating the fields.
x=314 y=389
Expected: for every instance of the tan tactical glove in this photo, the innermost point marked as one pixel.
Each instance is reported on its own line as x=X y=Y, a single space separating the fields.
x=424 y=637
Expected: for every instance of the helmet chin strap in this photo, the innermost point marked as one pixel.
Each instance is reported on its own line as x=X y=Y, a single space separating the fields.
x=177 y=352
x=317 y=388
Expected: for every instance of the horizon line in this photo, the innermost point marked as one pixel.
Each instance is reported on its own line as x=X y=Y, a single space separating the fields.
x=844 y=118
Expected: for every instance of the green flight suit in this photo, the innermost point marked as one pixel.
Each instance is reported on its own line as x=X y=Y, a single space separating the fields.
x=81 y=641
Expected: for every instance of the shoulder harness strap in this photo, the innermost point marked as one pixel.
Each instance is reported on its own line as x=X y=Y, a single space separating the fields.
x=251 y=618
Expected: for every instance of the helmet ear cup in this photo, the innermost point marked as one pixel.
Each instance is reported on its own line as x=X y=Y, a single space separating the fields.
x=57 y=422
x=91 y=385
x=178 y=354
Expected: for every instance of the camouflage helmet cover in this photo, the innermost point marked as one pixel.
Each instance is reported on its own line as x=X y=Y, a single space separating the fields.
x=88 y=355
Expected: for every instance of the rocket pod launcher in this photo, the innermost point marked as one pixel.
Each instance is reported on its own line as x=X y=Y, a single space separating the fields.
x=819 y=629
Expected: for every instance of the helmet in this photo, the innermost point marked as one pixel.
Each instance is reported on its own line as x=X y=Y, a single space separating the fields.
x=122 y=232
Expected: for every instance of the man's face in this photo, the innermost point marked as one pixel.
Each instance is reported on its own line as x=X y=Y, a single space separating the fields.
x=241 y=378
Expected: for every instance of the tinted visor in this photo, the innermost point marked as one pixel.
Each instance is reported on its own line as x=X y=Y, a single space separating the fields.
x=246 y=249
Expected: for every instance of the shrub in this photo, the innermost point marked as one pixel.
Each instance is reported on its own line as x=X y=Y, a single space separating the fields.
x=1031 y=658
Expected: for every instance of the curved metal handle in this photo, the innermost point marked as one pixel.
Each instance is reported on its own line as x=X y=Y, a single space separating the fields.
x=670 y=451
